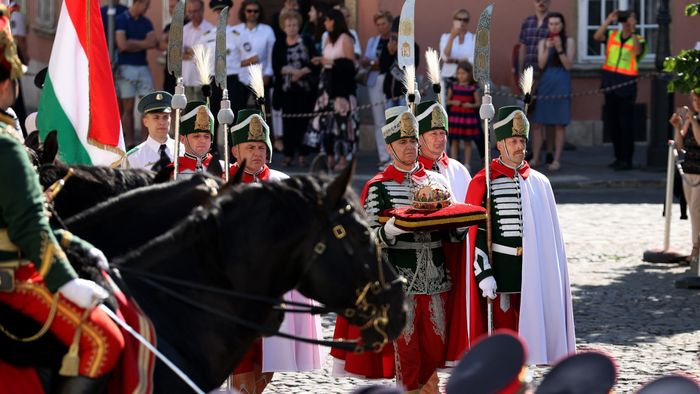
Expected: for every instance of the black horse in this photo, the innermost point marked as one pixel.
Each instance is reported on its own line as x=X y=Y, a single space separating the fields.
x=261 y=239
x=264 y=240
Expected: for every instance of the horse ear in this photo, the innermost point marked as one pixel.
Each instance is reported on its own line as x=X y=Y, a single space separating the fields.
x=165 y=174
x=336 y=189
x=214 y=167
x=236 y=179
x=50 y=147
x=319 y=165
x=32 y=141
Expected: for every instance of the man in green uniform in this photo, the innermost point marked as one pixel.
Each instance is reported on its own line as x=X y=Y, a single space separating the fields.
x=35 y=275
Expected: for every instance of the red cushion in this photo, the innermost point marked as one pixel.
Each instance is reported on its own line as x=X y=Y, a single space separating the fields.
x=456 y=215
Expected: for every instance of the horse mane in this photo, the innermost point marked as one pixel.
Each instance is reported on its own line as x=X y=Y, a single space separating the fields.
x=289 y=194
x=116 y=179
x=125 y=203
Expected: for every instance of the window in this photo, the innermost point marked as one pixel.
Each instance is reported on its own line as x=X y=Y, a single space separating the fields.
x=45 y=21
x=592 y=14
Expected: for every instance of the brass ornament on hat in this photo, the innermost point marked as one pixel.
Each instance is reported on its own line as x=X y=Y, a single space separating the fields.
x=407 y=126
x=518 y=124
x=437 y=120
x=255 y=129
x=159 y=96
x=202 y=121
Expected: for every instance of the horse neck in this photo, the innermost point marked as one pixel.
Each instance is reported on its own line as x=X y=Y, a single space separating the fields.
x=215 y=249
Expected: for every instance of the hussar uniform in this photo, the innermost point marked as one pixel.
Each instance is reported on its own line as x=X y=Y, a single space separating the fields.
x=529 y=261
x=418 y=257
x=33 y=266
x=148 y=153
x=196 y=118
x=464 y=313
x=276 y=354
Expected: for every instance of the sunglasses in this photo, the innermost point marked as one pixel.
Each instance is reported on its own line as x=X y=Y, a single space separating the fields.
x=252 y=11
x=462 y=19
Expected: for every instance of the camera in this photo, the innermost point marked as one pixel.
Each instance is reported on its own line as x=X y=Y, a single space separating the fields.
x=622 y=16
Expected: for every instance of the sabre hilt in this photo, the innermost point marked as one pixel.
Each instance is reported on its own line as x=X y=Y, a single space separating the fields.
x=225 y=118
x=178 y=103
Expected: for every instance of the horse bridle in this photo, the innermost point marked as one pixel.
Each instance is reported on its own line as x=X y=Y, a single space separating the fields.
x=376 y=315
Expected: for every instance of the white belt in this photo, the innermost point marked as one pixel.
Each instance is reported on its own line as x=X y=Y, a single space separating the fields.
x=502 y=249
x=415 y=245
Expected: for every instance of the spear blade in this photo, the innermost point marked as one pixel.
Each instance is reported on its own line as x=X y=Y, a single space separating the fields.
x=175 y=40
x=220 y=52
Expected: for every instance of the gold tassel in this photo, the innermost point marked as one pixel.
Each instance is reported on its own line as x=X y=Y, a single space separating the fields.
x=70 y=366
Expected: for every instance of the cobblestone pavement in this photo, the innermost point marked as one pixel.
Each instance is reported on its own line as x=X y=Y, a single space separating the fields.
x=622 y=306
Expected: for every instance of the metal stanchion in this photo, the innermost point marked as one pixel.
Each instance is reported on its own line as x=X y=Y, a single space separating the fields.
x=666 y=255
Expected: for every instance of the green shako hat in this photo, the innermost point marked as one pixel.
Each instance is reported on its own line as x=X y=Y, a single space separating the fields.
x=400 y=123
x=431 y=115
x=158 y=101
x=196 y=118
x=251 y=127
x=512 y=122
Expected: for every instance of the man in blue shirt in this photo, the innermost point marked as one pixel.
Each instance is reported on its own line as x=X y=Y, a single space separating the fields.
x=118 y=9
x=134 y=36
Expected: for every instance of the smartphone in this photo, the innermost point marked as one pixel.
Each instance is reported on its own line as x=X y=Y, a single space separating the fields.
x=622 y=16
x=552 y=34
x=456 y=24
x=683 y=112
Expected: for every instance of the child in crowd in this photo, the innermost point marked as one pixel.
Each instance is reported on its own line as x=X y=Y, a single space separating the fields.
x=463 y=102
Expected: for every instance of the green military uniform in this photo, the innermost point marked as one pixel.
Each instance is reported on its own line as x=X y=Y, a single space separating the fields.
x=506 y=212
x=24 y=227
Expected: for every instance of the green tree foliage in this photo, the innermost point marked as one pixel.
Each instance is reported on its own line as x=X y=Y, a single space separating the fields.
x=692 y=9
x=686 y=69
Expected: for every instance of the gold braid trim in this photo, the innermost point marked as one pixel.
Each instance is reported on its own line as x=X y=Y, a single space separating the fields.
x=113 y=149
x=49 y=252
x=44 y=328
x=67 y=238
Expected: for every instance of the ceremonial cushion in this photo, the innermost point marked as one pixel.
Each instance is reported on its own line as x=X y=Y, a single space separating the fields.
x=454 y=216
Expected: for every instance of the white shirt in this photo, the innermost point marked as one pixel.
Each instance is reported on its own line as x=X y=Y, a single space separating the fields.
x=461 y=51
x=147 y=153
x=356 y=41
x=191 y=36
x=18 y=24
x=258 y=41
x=233 y=55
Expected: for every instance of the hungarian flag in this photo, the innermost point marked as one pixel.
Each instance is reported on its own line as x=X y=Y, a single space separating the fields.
x=78 y=99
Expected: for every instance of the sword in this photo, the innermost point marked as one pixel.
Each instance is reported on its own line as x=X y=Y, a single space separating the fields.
x=225 y=115
x=179 y=101
x=406 y=49
x=486 y=112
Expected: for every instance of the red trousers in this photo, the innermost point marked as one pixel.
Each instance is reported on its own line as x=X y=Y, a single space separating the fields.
x=252 y=357
x=101 y=341
x=421 y=348
x=510 y=317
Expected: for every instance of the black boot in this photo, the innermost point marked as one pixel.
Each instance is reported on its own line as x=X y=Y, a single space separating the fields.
x=82 y=385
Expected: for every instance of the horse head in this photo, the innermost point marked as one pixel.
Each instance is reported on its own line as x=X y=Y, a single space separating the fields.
x=346 y=270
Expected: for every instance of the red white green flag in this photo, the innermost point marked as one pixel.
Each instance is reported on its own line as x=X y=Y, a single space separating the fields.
x=78 y=99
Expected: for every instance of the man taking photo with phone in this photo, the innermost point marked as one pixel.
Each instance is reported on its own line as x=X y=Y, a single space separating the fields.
x=623 y=50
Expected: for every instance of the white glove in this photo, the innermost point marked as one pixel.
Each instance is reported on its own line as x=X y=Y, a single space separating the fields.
x=99 y=258
x=488 y=287
x=83 y=292
x=391 y=230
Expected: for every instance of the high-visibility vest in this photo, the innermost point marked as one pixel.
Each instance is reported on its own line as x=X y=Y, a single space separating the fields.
x=620 y=57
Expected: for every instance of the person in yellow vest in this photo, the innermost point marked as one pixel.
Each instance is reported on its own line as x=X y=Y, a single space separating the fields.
x=623 y=50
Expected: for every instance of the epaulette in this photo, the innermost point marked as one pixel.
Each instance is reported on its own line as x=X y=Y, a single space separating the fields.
x=9 y=131
x=235 y=32
x=133 y=150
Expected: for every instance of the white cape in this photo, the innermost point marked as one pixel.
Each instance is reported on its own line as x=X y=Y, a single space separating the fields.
x=286 y=355
x=546 y=314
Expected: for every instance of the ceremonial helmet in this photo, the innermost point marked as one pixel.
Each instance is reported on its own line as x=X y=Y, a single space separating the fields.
x=197 y=118
x=400 y=123
x=431 y=115
x=11 y=66
x=251 y=127
x=512 y=122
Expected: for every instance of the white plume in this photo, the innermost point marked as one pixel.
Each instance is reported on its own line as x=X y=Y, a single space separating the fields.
x=526 y=80
x=203 y=62
x=409 y=79
x=256 y=80
x=433 y=60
